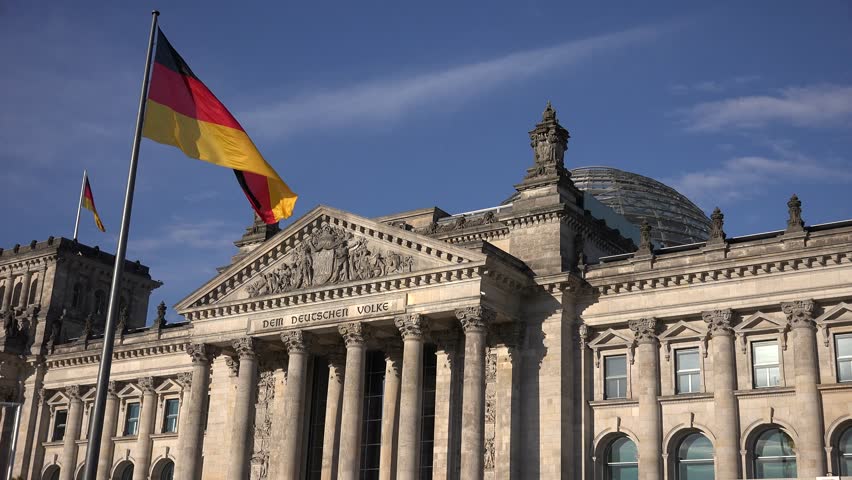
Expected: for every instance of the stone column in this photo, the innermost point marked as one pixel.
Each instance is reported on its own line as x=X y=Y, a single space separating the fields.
x=297 y=343
x=239 y=464
x=331 y=433
x=507 y=404
x=25 y=289
x=411 y=328
x=7 y=295
x=650 y=418
x=147 y=416
x=726 y=411
x=105 y=456
x=354 y=335
x=811 y=448
x=390 y=411
x=474 y=321
x=202 y=355
x=446 y=404
x=73 y=424
x=42 y=426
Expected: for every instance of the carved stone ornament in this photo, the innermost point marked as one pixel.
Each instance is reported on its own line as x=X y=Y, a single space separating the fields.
x=717 y=232
x=489 y=454
x=799 y=313
x=353 y=333
x=411 y=326
x=718 y=321
x=160 y=321
x=201 y=352
x=146 y=384
x=549 y=140
x=645 y=245
x=644 y=329
x=246 y=347
x=329 y=255
x=184 y=379
x=296 y=341
x=233 y=365
x=583 y=334
x=491 y=367
x=795 y=223
x=262 y=426
x=73 y=392
x=490 y=406
x=459 y=223
x=393 y=355
x=112 y=388
x=475 y=319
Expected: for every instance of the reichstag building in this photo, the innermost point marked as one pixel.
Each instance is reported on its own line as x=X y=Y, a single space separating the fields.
x=596 y=325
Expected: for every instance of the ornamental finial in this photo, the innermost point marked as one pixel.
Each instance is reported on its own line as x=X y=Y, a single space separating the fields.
x=794 y=209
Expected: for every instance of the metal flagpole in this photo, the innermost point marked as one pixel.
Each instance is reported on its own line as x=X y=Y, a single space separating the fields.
x=14 y=439
x=80 y=205
x=96 y=423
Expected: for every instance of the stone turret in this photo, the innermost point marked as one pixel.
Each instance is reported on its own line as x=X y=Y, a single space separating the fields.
x=257 y=233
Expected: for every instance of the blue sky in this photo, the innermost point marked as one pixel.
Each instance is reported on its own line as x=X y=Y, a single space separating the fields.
x=376 y=108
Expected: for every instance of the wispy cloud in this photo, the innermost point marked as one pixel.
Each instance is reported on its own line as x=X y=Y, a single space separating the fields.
x=714 y=86
x=811 y=106
x=382 y=99
x=744 y=177
x=203 y=234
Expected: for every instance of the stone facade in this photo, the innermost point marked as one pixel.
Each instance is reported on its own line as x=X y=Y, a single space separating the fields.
x=530 y=340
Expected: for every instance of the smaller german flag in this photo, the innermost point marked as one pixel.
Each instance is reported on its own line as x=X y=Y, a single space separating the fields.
x=89 y=204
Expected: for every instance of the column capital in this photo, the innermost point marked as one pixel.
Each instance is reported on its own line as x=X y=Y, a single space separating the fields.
x=112 y=388
x=233 y=364
x=719 y=322
x=246 y=347
x=296 y=341
x=475 y=319
x=800 y=314
x=184 y=379
x=74 y=392
x=644 y=329
x=354 y=333
x=412 y=326
x=146 y=384
x=201 y=352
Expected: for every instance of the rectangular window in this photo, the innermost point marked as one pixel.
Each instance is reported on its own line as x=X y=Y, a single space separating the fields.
x=843 y=347
x=371 y=428
x=766 y=368
x=615 y=376
x=131 y=421
x=316 y=424
x=59 y=420
x=427 y=430
x=688 y=370
x=170 y=416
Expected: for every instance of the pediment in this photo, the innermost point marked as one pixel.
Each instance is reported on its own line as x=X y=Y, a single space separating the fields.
x=168 y=386
x=57 y=398
x=682 y=330
x=760 y=321
x=129 y=390
x=840 y=313
x=610 y=337
x=327 y=247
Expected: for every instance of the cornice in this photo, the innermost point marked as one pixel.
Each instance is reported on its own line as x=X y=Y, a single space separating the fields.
x=78 y=358
x=733 y=269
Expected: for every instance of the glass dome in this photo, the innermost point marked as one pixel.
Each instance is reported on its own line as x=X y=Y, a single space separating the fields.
x=674 y=219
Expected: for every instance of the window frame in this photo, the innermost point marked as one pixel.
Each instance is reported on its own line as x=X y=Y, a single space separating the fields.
x=165 y=418
x=607 y=472
x=125 y=431
x=753 y=451
x=54 y=424
x=605 y=377
x=753 y=365
x=696 y=371
x=841 y=455
x=837 y=358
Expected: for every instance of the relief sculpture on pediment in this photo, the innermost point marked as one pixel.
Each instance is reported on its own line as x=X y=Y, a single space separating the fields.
x=329 y=255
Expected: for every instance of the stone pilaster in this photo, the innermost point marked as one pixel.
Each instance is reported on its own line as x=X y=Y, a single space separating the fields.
x=411 y=328
x=725 y=407
x=506 y=408
x=7 y=295
x=240 y=462
x=811 y=446
x=444 y=460
x=25 y=289
x=74 y=423
x=105 y=456
x=42 y=425
x=355 y=336
x=193 y=443
x=331 y=434
x=297 y=343
x=474 y=321
x=390 y=411
x=147 y=416
x=650 y=418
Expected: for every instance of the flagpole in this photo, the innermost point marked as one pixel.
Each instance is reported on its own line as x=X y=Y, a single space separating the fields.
x=80 y=204
x=97 y=419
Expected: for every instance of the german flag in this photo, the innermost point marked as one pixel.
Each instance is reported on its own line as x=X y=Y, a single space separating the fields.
x=181 y=111
x=89 y=204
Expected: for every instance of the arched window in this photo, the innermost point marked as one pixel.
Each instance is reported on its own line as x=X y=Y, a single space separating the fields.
x=774 y=455
x=124 y=472
x=51 y=473
x=844 y=452
x=695 y=458
x=77 y=296
x=168 y=472
x=2 y=292
x=621 y=460
x=33 y=288
x=16 y=294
